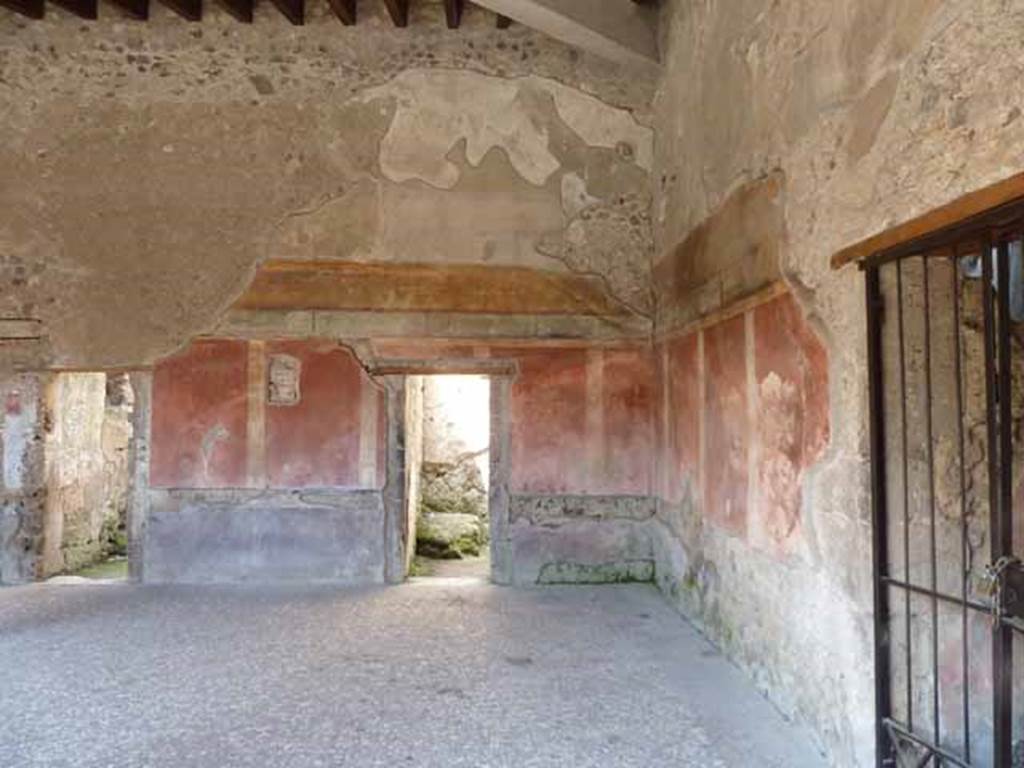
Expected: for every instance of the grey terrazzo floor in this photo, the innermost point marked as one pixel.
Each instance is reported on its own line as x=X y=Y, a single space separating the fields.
x=442 y=672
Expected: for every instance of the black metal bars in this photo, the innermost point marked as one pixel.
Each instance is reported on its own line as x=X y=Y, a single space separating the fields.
x=976 y=300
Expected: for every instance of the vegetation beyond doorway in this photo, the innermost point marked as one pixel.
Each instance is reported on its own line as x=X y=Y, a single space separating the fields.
x=453 y=473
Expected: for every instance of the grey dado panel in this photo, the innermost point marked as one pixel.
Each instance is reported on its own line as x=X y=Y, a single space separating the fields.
x=212 y=538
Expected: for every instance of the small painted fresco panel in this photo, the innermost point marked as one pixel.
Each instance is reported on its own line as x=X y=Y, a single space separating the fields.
x=315 y=442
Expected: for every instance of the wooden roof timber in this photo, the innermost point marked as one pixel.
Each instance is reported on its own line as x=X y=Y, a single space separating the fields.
x=241 y=10
x=964 y=207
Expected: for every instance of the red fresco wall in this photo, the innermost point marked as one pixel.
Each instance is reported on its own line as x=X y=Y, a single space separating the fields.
x=753 y=458
x=727 y=425
x=582 y=421
x=793 y=426
x=202 y=412
x=682 y=426
x=317 y=443
x=628 y=391
x=549 y=416
x=582 y=416
x=199 y=419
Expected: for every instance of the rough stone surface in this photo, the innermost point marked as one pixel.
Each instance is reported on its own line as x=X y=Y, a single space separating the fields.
x=234 y=536
x=449 y=535
x=87 y=472
x=456 y=445
x=122 y=267
x=298 y=677
x=454 y=487
x=873 y=113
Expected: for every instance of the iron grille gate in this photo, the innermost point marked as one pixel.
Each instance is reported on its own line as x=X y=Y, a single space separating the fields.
x=946 y=388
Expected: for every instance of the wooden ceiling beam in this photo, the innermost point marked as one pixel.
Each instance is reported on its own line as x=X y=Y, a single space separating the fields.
x=964 y=207
x=190 y=10
x=83 y=9
x=34 y=9
x=240 y=10
x=453 y=13
x=345 y=10
x=619 y=31
x=136 y=9
x=293 y=10
x=399 y=11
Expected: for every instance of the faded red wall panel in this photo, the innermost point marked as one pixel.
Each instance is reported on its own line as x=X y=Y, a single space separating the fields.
x=793 y=421
x=628 y=402
x=548 y=422
x=662 y=452
x=199 y=417
x=726 y=423
x=316 y=442
x=682 y=425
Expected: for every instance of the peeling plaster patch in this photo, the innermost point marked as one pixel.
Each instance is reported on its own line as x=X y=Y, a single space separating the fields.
x=612 y=242
x=490 y=215
x=600 y=125
x=134 y=284
x=435 y=109
x=574 y=195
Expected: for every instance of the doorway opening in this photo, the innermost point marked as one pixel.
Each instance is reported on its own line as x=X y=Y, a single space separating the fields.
x=87 y=453
x=448 y=435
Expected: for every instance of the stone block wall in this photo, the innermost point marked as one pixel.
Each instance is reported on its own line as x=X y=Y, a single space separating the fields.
x=87 y=455
x=66 y=456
